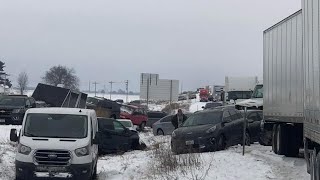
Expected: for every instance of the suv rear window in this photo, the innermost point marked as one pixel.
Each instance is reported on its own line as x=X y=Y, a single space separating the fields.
x=204 y=118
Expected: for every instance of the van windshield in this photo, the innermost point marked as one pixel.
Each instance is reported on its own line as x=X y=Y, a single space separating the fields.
x=56 y=126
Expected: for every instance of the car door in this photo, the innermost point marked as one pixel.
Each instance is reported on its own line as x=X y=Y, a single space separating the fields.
x=120 y=136
x=166 y=123
x=254 y=125
x=237 y=122
x=228 y=127
x=105 y=126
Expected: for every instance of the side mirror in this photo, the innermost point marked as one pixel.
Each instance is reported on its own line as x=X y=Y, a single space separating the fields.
x=13 y=135
x=202 y=107
x=34 y=105
x=96 y=140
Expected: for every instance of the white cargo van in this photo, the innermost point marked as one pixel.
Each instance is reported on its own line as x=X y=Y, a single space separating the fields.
x=57 y=142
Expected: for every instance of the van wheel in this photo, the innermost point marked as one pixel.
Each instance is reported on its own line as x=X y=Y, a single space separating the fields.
x=160 y=132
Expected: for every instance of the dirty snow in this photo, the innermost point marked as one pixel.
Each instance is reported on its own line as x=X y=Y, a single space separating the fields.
x=259 y=163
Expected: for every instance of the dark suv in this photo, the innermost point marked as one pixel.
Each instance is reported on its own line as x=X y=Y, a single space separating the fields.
x=209 y=130
x=13 y=108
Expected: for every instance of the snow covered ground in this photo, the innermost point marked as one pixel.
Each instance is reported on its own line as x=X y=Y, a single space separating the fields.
x=259 y=163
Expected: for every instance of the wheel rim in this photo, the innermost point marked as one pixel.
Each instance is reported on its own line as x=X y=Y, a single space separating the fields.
x=160 y=132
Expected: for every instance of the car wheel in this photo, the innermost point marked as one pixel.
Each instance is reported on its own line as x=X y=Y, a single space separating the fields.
x=160 y=132
x=248 y=139
x=221 y=143
x=142 y=125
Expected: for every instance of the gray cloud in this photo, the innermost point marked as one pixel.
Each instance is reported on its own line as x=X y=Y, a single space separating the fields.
x=198 y=42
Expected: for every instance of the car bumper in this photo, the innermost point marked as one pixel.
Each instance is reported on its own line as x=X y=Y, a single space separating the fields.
x=74 y=171
x=200 y=144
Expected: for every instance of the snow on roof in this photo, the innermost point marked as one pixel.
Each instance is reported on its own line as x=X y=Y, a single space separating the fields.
x=59 y=110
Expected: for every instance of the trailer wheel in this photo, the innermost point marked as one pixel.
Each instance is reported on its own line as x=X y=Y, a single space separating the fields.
x=274 y=138
x=317 y=167
x=293 y=142
x=313 y=165
x=282 y=139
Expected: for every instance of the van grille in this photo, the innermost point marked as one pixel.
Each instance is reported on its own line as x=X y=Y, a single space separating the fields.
x=52 y=157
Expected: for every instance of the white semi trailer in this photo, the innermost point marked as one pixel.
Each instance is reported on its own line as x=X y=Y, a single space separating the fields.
x=283 y=84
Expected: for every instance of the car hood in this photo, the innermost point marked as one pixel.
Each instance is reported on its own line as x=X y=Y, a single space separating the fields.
x=53 y=143
x=193 y=130
x=256 y=102
x=11 y=107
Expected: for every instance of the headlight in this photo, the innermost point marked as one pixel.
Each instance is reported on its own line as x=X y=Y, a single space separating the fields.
x=173 y=134
x=211 y=130
x=22 y=149
x=82 y=151
x=18 y=111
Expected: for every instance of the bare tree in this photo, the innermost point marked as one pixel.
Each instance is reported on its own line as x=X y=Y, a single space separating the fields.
x=62 y=75
x=22 y=81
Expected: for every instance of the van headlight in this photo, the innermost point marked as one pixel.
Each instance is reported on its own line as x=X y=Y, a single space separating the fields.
x=84 y=151
x=211 y=130
x=173 y=134
x=22 y=149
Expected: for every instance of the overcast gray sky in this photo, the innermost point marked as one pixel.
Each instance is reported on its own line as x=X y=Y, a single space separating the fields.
x=197 y=42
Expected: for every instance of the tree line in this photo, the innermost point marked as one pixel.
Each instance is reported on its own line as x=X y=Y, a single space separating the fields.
x=55 y=76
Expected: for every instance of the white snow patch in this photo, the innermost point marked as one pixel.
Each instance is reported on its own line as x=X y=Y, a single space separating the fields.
x=197 y=106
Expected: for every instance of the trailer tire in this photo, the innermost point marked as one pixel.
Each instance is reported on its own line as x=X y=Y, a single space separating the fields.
x=314 y=169
x=274 y=138
x=307 y=154
x=293 y=142
x=282 y=139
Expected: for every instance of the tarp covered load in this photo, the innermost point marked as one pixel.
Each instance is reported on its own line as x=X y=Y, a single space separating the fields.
x=59 y=97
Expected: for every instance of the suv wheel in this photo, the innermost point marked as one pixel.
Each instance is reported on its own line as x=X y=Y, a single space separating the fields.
x=248 y=139
x=221 y=143
x=160 y=132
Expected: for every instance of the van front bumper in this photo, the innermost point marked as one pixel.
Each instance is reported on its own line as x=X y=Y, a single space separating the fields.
x=74 y=171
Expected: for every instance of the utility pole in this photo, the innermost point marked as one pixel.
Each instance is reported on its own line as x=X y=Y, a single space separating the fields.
x=127 y=89
x=111 y=82
x=95 y=88
x=89 y=86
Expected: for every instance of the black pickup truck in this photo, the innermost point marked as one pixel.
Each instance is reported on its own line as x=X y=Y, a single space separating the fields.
x=13 y=108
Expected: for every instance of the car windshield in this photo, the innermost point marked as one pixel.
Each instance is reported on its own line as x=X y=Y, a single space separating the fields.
x=203 y=118
x=239 y=95
x=126 y=123
x=258 y=92
x=56 y=126
x=12 y=101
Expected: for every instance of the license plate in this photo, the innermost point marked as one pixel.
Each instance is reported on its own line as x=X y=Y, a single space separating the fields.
x=51 y=169
x=190 y=142
x=2 y=120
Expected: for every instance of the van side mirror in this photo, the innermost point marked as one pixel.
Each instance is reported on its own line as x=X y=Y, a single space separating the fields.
x=13 y=135
x=96 y=140
x=202 y=107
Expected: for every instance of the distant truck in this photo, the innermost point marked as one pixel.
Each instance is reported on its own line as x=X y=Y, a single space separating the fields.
x=238 y=89
x=204 y=95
